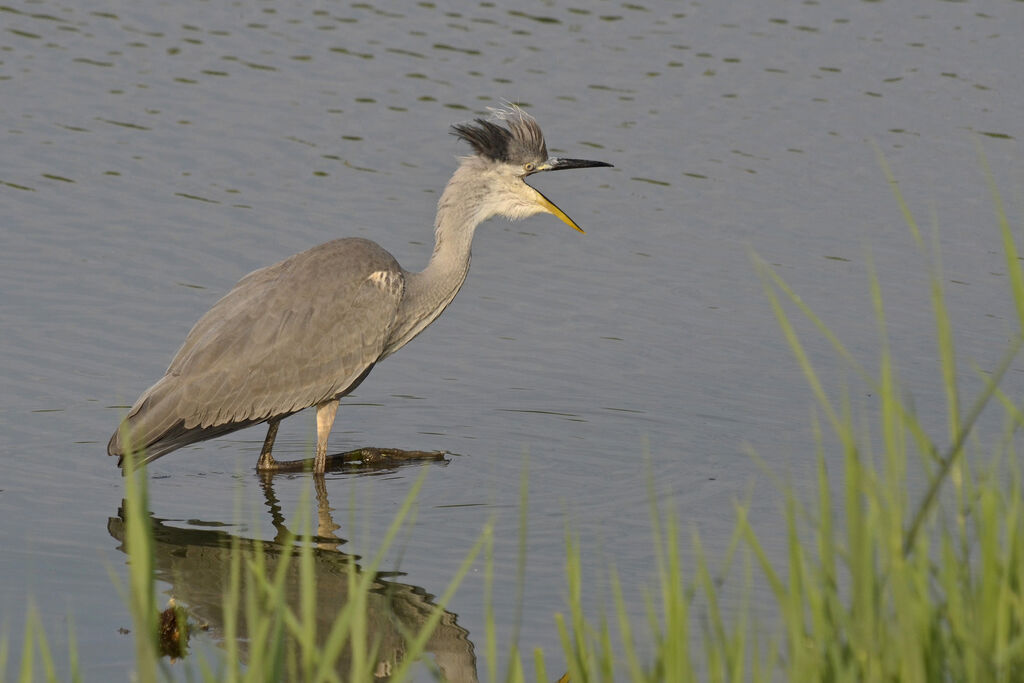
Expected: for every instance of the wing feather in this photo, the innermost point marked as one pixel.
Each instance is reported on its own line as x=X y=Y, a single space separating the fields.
x=286 y=337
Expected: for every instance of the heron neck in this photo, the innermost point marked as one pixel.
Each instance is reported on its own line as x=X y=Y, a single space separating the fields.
x=429 y=292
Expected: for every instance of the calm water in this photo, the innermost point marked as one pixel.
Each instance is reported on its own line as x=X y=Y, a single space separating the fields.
x=155 y=152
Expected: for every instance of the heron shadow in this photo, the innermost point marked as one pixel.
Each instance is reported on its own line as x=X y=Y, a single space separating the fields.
x=196 y=564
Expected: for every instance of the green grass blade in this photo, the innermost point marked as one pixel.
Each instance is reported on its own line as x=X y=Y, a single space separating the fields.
x=956 y=449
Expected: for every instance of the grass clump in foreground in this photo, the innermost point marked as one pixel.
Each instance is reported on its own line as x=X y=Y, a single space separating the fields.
x=879 y=584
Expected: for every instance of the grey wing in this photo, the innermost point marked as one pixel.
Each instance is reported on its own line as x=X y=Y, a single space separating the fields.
x=284 y=338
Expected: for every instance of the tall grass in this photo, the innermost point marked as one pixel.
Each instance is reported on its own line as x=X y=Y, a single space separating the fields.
x=897 y=589
x=878 y=584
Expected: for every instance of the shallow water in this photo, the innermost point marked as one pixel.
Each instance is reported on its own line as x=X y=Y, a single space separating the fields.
x=153 y=153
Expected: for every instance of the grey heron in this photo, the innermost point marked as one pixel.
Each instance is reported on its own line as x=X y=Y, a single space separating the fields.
x=306 y=331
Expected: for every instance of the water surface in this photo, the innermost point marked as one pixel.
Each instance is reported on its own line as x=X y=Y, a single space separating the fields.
x=155 y=152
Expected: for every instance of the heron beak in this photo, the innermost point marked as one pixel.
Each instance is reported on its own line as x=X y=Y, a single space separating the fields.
x=550 y=207
x=555 y=164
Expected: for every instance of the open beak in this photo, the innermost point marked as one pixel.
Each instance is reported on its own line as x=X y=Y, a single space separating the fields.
x=555 y=164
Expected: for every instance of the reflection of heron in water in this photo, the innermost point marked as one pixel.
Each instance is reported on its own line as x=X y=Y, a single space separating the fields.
x=197 y=565
x=306 y=331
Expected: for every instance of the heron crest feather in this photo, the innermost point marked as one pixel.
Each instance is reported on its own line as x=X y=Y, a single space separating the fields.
x=519 y=141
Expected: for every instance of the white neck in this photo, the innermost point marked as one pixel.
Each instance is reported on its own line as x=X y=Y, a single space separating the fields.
x=429 y=292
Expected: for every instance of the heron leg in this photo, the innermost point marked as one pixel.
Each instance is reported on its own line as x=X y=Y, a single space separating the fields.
x=325 y=413
x=266 y=462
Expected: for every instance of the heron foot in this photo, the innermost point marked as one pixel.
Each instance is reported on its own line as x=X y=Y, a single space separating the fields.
x=364 y=459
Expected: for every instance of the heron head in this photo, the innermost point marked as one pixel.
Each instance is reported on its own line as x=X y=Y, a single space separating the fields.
x=506 y=155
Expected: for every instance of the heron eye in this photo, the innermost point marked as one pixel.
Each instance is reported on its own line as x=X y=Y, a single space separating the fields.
x=529 y=167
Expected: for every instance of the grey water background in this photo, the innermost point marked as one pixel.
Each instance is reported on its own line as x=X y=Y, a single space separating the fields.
x=152 y=153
